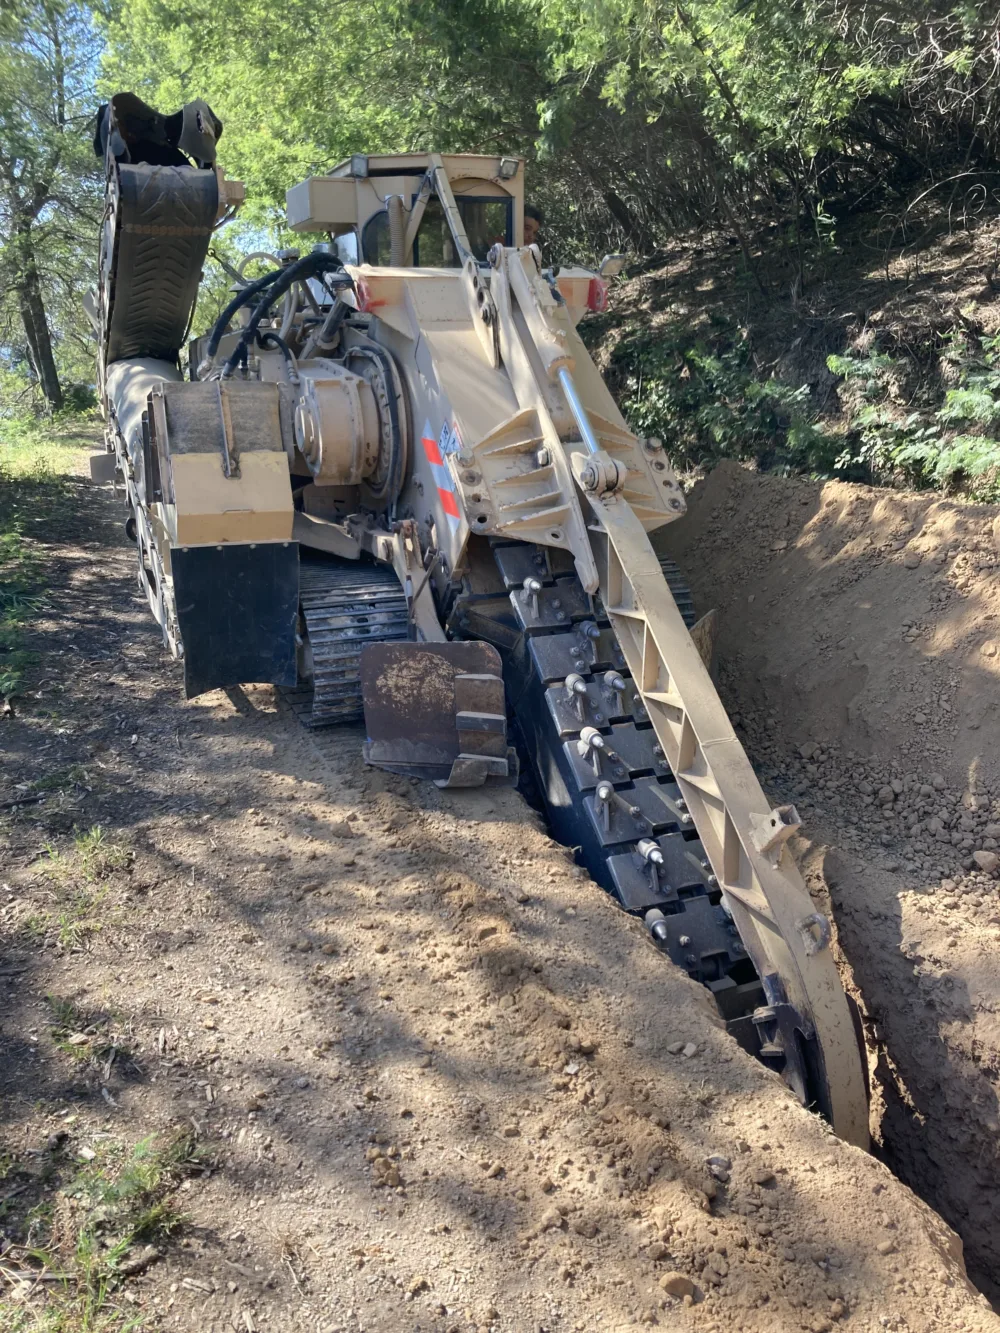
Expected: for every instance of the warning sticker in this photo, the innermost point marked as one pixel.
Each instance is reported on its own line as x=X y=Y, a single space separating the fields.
x=449 y=442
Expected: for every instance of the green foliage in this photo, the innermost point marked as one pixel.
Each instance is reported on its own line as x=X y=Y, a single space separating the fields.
x=92 y=1219
x=706 y=403
x=50 y=184
x=924 y=448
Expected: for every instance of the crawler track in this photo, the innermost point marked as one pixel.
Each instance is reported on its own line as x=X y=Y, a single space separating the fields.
x=344 y=604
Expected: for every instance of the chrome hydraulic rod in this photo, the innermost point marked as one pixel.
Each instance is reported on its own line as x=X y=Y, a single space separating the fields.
x=579 y=412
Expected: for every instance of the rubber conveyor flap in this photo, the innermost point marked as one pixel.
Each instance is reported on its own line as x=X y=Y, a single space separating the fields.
x=162 y=227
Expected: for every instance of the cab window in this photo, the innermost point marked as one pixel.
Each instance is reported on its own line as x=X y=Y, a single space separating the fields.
x=487 y=222
x=375 y=239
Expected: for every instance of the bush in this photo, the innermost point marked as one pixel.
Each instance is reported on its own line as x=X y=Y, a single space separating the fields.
x=953 y=445
x=706 y=402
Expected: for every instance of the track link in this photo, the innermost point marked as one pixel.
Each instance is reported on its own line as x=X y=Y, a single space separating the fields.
x=344 y=604
x=606 y=788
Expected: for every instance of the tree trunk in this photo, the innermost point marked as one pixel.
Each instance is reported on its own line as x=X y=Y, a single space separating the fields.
x=36 y=324
x=635 y=230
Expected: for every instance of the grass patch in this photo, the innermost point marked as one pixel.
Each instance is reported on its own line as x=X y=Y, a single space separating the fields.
x=81 y=878
x=91 y=1225
x=99 y=855
x=33 y=448
x=36 y=461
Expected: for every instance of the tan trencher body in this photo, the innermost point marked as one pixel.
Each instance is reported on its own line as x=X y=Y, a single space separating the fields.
x=396 y=483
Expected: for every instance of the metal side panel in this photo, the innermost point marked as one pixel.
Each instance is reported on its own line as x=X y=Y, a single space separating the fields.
x=436 y=710
x=237 y=606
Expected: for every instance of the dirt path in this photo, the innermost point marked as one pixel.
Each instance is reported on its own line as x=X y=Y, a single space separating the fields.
x=860 y=646
x=368 y=1055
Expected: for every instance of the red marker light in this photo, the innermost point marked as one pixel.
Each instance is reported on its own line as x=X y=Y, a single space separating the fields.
x=597 y=295
x=365 y=298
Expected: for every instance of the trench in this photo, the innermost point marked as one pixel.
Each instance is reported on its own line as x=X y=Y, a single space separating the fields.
x=824 y=677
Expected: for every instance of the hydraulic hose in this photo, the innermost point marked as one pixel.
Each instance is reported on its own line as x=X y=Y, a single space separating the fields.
x=325 y=337
x=269 y=336
x=310 y=266
x=222 y=323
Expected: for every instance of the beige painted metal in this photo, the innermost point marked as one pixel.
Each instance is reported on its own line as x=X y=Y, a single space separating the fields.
x=210 y=507
x=769 y=902
x=322 y=203
x=339 y=201
x=336 y=424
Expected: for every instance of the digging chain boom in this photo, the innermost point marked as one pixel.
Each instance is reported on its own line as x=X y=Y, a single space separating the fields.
x=745 y=840
x=805 y=1024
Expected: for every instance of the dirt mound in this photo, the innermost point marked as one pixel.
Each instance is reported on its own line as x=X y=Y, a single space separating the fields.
x=859 y=649
x=425 y=1074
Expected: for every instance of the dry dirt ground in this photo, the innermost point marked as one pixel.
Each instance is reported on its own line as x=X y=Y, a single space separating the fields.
x=859 y=645
x=399 y=1064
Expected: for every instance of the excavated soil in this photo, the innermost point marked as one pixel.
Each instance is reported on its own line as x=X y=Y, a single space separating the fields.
x=859 y=648
x=436 y=1080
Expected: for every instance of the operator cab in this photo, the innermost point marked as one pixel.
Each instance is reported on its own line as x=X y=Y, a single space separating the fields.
x=446 y=208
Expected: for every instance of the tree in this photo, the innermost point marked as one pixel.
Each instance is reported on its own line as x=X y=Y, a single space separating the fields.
x=49 y=177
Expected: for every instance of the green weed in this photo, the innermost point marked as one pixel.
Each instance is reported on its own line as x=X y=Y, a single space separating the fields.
x=76 y=1243
x=953 y=445
x=99 y=856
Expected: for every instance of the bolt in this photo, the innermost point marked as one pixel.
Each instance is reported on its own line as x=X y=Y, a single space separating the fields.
x=635 y=812
x=690 y=958
x=598 y=717
x=556 y=602
x=619 y=771
x=684 y=941
x=650 y=852
x=560 y=615
x=589 y=478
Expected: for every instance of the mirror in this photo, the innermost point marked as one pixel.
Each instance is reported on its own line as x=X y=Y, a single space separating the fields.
x=611 y=266
x=346 y=247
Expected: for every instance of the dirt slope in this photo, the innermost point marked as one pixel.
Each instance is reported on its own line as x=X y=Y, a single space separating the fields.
x=859 y=645
x=433 y=1079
